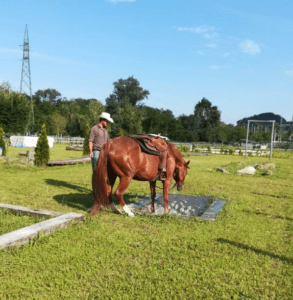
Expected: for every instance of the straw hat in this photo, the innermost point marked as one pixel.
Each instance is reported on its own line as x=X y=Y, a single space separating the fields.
x=106 y=116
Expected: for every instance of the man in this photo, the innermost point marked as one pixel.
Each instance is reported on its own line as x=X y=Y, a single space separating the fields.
x=98 y=137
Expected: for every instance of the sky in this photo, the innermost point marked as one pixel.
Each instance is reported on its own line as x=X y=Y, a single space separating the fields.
x=237 y=54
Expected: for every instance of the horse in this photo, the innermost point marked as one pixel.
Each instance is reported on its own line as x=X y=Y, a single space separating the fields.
x=122 y=157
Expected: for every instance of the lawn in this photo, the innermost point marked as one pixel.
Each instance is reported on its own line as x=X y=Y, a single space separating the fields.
x=245 y=254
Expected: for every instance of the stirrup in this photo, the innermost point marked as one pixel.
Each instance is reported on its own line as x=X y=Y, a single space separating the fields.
x=164 y=177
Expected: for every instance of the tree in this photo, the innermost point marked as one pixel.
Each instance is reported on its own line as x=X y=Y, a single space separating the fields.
x=206 y=117
x=86 y=149
x=126 y=91
x=5 y=85
x=2 y=142
x=15 y=112
x=49 y=95
x=58 y=123
x=127 y=120
x=42 y=153
x=95 y=108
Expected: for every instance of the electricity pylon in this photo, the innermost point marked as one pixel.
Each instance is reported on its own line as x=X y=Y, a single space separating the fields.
x=25 y=81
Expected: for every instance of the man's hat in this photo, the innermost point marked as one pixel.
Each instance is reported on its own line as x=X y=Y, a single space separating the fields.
x=107 y=117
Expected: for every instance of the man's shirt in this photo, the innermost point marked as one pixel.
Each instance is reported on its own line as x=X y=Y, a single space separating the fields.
x=99 y=136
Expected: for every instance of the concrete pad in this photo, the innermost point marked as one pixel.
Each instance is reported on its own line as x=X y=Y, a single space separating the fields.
x=203 y=207
x=23 y=235
x=29 y=211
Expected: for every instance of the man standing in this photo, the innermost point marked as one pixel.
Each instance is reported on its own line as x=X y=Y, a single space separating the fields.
x=98 y=137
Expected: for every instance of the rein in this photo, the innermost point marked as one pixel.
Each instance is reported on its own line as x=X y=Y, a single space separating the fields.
x=169 y=189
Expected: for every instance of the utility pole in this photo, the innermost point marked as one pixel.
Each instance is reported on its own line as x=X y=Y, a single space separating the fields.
x=25 y=81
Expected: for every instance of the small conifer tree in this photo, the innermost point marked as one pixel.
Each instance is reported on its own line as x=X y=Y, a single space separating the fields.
x=2 y=142
x=42 y=153
x=86 y=149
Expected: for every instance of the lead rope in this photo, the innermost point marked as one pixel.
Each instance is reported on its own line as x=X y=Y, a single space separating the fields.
x=169 y=189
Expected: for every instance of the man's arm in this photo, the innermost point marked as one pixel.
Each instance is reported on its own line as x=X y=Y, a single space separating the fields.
x=91 y=149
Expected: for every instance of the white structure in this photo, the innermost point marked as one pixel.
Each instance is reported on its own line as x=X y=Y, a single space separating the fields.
x=28 y=141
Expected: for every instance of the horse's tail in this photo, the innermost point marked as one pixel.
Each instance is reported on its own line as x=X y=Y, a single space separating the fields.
x=100 y=180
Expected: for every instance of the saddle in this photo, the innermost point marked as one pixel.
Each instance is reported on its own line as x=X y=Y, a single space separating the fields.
x=154 y=146
x=146 y=145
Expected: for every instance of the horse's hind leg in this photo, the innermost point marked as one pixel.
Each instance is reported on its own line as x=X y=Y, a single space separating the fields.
x=112 y=178
x=119 y=193
x=153 y=195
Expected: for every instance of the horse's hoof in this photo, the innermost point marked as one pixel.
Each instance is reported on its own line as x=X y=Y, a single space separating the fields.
x=128 y=211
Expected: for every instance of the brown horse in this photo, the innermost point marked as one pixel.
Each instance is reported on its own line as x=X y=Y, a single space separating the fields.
x=123 y=157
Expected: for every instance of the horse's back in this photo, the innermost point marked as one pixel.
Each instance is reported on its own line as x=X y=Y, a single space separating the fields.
x=126 y=157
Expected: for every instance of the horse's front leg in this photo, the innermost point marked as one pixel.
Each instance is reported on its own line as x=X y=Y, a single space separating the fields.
x=153 y=195
x=166 y=187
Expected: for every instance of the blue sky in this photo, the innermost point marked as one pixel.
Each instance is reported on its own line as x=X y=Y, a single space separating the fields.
x=237 y=54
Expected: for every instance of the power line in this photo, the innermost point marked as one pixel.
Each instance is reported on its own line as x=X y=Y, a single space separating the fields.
x=25 y=82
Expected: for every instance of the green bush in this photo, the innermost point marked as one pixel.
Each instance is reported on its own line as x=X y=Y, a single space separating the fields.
x=42 y=153
x=86 y=149
x=209 y=149
x=223 y=150
x=183 y=148
x=231 y=151
x=2 y=142
x=240 y=152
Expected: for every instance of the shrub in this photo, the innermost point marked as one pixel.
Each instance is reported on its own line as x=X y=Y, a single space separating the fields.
x=183 y=148
x=223 y=150
x=240 y=152
x=2 y=142
x=42 y=153
x=231 y=151
x=209 y=149
x=86 y=149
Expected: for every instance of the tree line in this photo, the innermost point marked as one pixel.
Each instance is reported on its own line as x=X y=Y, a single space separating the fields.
x=73 y=117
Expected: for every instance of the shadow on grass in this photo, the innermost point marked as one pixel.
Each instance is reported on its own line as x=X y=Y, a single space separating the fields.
x=258 y=251
x=67 y=185
x=268 y=215
x=83 y=200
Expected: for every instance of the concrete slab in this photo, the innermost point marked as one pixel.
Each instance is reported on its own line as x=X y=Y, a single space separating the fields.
x=29 y=211
x=186 y=206
x=23 y=235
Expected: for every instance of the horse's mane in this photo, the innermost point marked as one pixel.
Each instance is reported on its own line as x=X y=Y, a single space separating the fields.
x=178 y=156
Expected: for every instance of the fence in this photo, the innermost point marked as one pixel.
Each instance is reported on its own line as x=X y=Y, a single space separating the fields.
x=68 y=140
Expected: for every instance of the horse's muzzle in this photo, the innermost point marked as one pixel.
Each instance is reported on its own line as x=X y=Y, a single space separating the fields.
x=180 y=188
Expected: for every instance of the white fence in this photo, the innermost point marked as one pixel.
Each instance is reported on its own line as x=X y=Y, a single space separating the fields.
x=68 y=140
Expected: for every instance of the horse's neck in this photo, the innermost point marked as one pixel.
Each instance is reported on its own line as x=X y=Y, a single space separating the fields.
x=174 y=153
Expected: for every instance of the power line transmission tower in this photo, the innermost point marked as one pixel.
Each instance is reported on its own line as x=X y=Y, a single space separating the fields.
x=25 y=81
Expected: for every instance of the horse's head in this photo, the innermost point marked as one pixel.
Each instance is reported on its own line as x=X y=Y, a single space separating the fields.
x=180 y=173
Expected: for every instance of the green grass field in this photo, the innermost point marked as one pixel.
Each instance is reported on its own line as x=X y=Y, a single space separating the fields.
x=245 y=254
x=10 y=222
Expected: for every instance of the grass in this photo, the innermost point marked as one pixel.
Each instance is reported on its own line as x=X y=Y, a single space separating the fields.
x=245 y=254
x=10 y=222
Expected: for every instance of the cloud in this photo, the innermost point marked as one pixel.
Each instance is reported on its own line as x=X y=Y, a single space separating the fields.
x=218 y=67
x=208 y=32
x=212 y=45
x=117 y=1
x=8 y=50
x=289 y=72
x=249 y=47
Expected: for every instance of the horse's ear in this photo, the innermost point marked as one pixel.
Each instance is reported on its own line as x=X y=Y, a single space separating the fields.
x=187 y=163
